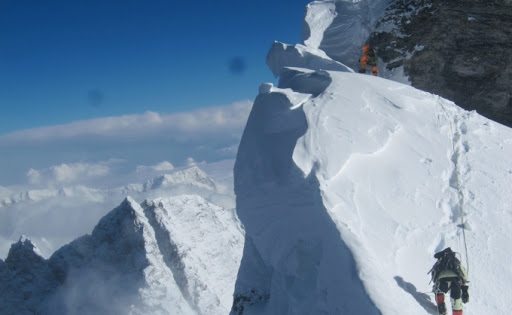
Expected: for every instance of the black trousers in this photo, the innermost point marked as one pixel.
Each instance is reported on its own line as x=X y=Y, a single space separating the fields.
x=444 y=285
x=452 y=285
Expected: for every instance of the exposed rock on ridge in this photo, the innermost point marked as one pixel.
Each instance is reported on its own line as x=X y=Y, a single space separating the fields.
x=460 y=50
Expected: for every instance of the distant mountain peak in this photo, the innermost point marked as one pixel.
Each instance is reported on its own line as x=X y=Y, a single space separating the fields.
x=176 y=255
x=23 y=250
x=190 y=176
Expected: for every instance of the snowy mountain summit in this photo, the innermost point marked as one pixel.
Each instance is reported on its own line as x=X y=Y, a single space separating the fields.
x=175 y=255
x=347 y=184
x=193 y=176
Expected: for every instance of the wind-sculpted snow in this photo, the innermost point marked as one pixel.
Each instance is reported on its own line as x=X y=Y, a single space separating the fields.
x=174 y=256
x=319 y=16
x=347 y=184
x=304 y=80
x=294 y=259
x=341 y=28
x=281 y=56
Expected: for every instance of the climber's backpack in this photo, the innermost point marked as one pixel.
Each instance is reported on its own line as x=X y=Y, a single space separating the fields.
x=372 y=55
x=446 y=260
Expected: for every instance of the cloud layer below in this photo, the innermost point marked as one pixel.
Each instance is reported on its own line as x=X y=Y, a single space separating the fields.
x=178 y=126
x=81 y=151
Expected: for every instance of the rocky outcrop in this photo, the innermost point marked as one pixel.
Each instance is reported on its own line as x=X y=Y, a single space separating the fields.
x=461 y=50
x=25 y=280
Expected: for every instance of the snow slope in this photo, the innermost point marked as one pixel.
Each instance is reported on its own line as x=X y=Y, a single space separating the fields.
x=174 y=255
x=347 y=189
x=362 y=183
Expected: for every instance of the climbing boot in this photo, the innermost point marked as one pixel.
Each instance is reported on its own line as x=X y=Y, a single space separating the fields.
x=441 y=307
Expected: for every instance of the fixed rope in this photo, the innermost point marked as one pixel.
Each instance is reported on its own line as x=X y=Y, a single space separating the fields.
x=462 y=219
x=455 y=140
x=457 y=177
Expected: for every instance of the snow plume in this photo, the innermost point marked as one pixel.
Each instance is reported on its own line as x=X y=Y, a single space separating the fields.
x=190 y=161
x=160 y=167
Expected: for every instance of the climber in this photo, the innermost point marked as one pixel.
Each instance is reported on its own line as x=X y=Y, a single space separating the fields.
x=448 y=274
x=369 y=57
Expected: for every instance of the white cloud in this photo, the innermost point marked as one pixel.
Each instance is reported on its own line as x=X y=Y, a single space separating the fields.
x=34 y=176
x=178 y=126
x=230 y=150
x=138 y=140
x=4 y=192
x=67 y=173
x=190 y=161
x=71 y=210
x=70 y=172
x=160 y=167
x=163 y=166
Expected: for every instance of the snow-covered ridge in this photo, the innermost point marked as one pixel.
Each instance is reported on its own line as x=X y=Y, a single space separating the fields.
x=174 y=255
x=347 y=184
x=341 y=28
x=319 y=16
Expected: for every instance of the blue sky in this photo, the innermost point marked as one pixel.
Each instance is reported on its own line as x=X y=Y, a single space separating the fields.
x=64 y=61
x=116 y=85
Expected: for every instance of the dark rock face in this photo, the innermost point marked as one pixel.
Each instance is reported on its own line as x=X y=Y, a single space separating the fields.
x=25 y=280
x=458 y=49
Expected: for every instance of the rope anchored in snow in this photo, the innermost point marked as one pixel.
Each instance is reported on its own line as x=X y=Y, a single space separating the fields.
x=455 y=160
x=462 y=221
